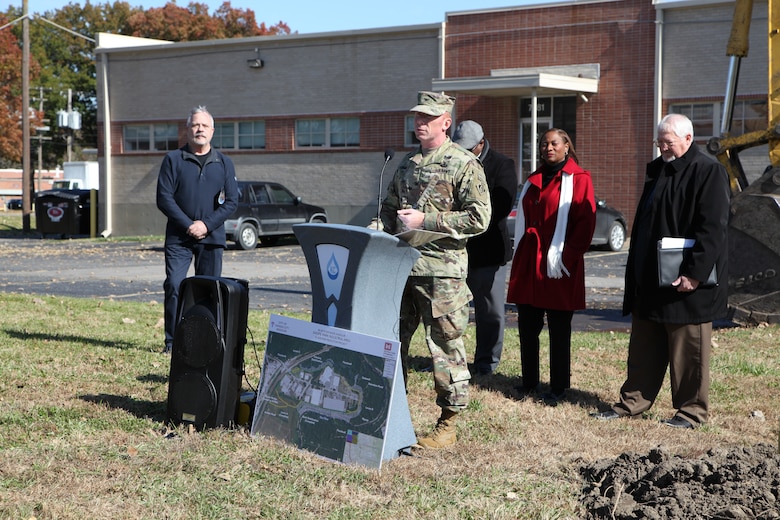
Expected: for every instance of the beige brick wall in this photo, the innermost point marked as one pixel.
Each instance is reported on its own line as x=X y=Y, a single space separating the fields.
x=694 y=57
x=374 y=75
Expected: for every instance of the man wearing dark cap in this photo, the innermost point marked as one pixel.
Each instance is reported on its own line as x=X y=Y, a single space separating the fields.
x=490 y=251
x=438 y=187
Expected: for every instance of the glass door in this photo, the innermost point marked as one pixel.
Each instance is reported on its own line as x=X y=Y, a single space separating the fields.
x=551 y=112
x=528 y=147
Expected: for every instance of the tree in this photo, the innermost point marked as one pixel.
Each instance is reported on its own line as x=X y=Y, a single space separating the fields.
x=239 y=23
x=11 y=96
x=193 y=22
x=65 y=49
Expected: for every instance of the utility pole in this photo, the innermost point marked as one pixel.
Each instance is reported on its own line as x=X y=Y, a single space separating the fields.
x=41 y=138
x=27 y=185
x=70 y=130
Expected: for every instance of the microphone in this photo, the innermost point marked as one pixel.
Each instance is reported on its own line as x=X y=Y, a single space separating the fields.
x=388 y=155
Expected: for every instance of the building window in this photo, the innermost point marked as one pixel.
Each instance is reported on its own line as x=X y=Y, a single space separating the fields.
x=224 y=136
x=239 y=135
x=158 y=137
x=410 y=139
x=137 y=138
x=336 y=132
x=702 y=115
x=251 y=135
x=345 y=131
x=749 y=116
x=166 y=137
x=310 y=132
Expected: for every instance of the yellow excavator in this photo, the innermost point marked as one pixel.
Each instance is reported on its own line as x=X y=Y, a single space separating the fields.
x=754 y=224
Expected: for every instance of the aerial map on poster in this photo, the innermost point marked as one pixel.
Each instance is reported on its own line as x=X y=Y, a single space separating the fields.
x=326 y=390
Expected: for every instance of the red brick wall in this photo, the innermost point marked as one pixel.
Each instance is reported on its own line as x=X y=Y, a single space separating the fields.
x=615 y=128
x=379 y=130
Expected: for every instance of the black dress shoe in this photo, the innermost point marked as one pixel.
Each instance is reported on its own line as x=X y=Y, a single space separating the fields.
x=678 y=422
x=606 y=416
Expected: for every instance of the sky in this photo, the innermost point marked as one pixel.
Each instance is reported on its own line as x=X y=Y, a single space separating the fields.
x=311 y=16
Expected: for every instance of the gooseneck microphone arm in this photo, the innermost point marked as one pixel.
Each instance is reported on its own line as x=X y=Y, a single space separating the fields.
x=388 y=155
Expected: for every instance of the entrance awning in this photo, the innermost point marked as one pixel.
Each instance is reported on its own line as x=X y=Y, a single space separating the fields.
x=541 y=81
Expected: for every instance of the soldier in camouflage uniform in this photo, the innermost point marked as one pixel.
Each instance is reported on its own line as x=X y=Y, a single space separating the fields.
x=438 y=187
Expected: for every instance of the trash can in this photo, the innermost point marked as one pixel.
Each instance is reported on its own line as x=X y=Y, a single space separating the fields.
x=64 y=213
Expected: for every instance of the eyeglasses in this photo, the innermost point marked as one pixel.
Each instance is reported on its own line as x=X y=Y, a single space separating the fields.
x=667 y=144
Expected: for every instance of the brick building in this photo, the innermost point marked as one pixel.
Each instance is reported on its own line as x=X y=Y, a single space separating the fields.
x=316 y=112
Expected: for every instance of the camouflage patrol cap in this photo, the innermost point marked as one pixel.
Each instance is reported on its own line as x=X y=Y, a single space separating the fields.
x=433 y=103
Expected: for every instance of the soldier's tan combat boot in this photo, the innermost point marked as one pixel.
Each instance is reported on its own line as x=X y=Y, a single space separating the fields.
x=444 y=433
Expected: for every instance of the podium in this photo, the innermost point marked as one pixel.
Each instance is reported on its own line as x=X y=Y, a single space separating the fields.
x=358 y=277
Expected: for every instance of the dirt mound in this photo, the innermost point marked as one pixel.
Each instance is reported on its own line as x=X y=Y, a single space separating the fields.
x=721 y=484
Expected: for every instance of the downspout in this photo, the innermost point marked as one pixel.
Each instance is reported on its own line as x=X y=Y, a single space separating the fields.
x=534 y=138
x=658 y=90
x=107 y=152
x=442 y=50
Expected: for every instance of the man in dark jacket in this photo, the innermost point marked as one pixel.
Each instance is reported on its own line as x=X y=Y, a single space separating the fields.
x=686 y=195
x=490 y=251
x=197 y=191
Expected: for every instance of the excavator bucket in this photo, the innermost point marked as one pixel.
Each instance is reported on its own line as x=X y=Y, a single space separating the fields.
x=754 y=252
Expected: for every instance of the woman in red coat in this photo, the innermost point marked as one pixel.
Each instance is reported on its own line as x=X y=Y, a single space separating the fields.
x=555 y=221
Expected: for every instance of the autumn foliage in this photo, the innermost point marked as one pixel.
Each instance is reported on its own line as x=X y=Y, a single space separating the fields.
x=11 y=96
x=10 y=100
x=193 y=22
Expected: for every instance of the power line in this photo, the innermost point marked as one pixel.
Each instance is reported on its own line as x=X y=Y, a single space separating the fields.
x=74 y=33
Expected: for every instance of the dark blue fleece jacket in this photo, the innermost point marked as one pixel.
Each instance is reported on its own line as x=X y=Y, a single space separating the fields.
x=186 y=193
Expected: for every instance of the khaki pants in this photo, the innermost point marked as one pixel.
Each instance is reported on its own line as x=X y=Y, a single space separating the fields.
x=686 y=350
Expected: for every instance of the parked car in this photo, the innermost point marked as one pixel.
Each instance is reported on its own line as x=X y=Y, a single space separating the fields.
x=267 y=211
x=14 y=204
x=610 y=226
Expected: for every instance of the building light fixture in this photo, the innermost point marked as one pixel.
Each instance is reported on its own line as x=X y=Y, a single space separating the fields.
x=256 y=62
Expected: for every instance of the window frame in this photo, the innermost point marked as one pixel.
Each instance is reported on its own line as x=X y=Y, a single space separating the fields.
x=748 y=124
x=236 y=134
x=149 y=136
x=167 y=133
x=410 y=138
x=138 y=139
x=689 y=109
x=319 y=132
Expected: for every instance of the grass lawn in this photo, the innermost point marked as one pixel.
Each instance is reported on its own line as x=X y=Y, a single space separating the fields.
x=83 y=390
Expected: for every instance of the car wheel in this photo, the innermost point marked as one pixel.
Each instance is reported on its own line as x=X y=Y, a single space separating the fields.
x=269 y=241
x=247 y=236
x=616 y=236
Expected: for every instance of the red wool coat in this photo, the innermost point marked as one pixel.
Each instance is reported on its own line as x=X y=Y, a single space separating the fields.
x=528 y=282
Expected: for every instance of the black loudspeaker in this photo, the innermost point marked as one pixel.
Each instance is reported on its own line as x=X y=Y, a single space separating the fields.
x=207 y=359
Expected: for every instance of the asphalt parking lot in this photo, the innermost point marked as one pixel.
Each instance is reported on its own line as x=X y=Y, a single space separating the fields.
x=278 y=275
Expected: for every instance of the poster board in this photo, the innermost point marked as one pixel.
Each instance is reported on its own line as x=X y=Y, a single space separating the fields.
x=333 y=392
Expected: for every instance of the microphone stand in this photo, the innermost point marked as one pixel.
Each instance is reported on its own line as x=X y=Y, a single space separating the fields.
x=388 y=155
